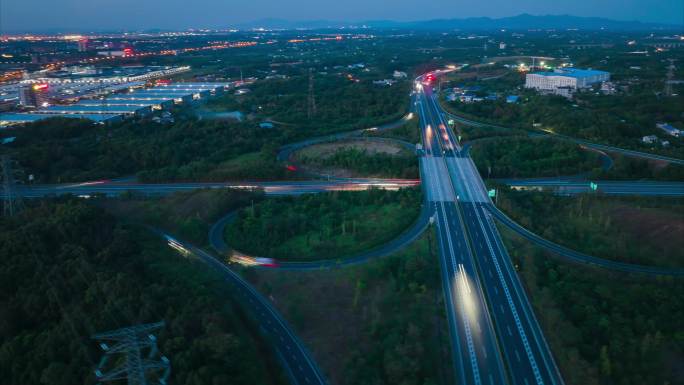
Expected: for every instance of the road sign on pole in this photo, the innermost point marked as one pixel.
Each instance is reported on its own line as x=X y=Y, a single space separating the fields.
x=593 y=186
x=492 y=193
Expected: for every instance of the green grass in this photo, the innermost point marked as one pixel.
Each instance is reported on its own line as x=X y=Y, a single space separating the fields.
x=636 y=230
x=409 y=131
x=604 y=328
x=515 y=157
x=323 y=226
x=361 y=159
x=187 y=214
x=385 y=323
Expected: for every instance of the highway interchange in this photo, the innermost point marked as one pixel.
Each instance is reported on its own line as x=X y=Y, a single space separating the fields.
x=494 y=334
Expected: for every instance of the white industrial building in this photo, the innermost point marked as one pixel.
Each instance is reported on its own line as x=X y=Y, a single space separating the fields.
x=117 y=106
x=565 y=78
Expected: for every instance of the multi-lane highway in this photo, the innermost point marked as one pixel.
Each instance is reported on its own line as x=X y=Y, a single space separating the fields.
x=295 y=358
x=113 y=188
x=494 y=331
x=564 y=186
x=477 y=358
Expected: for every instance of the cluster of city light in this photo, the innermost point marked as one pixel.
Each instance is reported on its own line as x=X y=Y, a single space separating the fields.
x=11 y=75
x=226 y=45
x=336 y=37
x=238 y=44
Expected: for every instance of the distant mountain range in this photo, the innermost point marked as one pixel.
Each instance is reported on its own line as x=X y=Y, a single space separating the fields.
x=520 y=22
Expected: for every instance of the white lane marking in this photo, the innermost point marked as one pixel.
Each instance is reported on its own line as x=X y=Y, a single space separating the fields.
x=466 y=324
x=511 y=305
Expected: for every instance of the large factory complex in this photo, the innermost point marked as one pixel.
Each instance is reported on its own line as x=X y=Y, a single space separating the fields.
x=118 y=106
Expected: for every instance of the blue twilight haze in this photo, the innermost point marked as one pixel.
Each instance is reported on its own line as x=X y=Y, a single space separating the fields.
x=36 y=15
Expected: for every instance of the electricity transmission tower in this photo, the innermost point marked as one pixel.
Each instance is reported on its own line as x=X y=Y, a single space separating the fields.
x=311 y=100
x=670 y=77
x=131 y=342
x=12 y=200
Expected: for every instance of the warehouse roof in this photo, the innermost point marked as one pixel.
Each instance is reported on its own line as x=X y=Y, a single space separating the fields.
x=27 y=118
x=100 y=109
x=573 y=73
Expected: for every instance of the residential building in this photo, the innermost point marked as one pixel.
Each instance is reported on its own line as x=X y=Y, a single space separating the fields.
x=608 y=88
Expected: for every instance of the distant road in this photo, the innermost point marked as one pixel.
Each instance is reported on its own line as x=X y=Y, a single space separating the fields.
x=111 y=188
x=288 y=149
x=217 y=241
x=291 y=352
x=597 y=146
x=577 y=257
x=564 y=186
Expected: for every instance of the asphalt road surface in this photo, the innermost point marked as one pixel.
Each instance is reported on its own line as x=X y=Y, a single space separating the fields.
x=572 y=186
x=495 y=333
x=298 y=364
x=112 y=188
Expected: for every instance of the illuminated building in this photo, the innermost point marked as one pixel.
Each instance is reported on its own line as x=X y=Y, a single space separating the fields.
x=565 y=78
x=35 y=95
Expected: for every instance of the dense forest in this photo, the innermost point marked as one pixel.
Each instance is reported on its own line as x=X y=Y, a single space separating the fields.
x=341 y=104
x=604 y=226
x=605 y=328
x=621 y=120
x=189 y=214
x=194 y=148
x=361 y=162
x=408 y=341
x=515 y=157
x=471 y=133
x=409 y=131
x=380 y=323
x=70 y=270
x=323 y=226
x=630 y=168
x=73 y=150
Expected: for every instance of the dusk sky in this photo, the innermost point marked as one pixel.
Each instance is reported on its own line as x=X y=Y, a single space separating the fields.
x=27 y=15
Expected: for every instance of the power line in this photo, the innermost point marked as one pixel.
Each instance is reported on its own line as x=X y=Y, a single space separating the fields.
x=669 y=78
x=131 y=342
x=311 y=99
